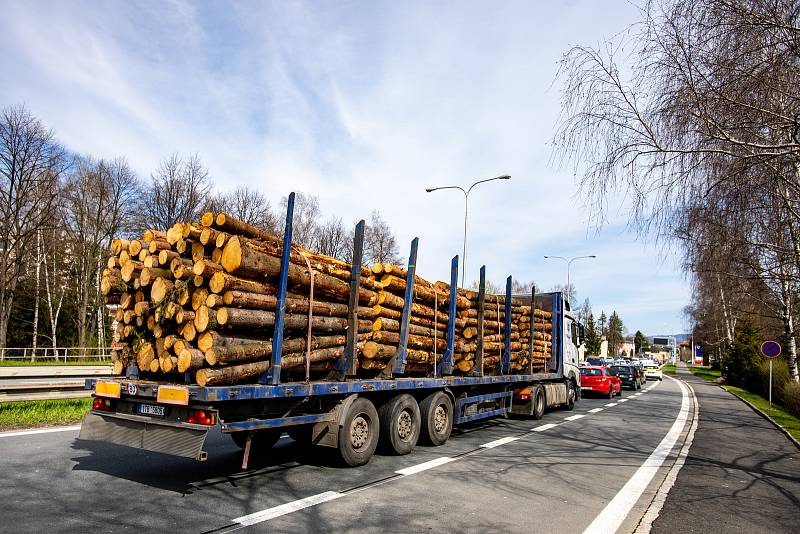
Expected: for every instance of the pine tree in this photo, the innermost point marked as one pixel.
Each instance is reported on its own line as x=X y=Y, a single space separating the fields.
x=640 y=342
x=593 y=339
x=615 y=335
x=601 y=323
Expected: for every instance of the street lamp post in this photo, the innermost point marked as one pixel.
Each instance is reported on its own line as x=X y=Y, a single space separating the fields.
x=466 y=209
x=569 y=262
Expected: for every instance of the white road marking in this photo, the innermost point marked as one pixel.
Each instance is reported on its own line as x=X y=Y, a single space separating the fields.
x=288 y=508
x=498 y=442
x=623 y=400
x=610 y=404
x=575 y=417
x=658 y=502
x=424 y=466
x=615 y=512
x=542 y=428
x=595 y=410
x=39 y=431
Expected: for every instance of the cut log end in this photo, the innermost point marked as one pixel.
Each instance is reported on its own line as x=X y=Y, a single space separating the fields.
x=232 y=254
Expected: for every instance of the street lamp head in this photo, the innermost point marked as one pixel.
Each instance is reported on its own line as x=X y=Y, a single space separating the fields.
x=504 y=177
x=430 y=189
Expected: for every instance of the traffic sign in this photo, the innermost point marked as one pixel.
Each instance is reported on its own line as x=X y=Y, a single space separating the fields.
x=771 y=349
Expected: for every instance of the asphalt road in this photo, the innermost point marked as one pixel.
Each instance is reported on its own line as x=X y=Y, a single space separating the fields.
x=558 y=478
x=741 y=474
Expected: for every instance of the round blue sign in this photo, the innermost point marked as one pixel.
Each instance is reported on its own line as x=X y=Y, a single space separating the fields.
x=771 y=349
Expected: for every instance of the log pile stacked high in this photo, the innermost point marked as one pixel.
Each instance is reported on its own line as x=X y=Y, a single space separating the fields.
x=201 y=298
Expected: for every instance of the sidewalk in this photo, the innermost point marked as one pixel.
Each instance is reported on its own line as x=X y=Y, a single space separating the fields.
x=741 y=475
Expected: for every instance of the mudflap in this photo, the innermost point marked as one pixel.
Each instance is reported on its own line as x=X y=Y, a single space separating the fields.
x=141 y=433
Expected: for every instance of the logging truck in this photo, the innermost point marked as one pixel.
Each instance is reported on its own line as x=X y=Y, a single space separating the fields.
x=394 y=373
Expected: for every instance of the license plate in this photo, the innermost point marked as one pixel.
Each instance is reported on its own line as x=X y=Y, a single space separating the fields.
x=585 y=388
x=151 y=409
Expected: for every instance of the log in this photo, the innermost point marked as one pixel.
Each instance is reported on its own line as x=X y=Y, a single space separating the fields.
x=259 y=319
x=161 y=287
x=112 y=282
x=149 y=274
x=130 y=270
x=243 y=299
x=189 y=332
x=144 y=355
x=205 y=318
x=135 y=247
x=190 y=232
x=175 y=233
x=206 y=268
x=166 y=256
x=190 y=359
x=221 y=282
x=234 y=226
x=119 y=244
x=157 y=245
x=239 y=352
x=215 y=300
x=198 y=251
x=219 y=242
x=243 y=259
x=150 y=235
x=199 y=297
x=415 y=342
x=212 y=339
x=169 y=364
x=234 y=373
x=183 y=316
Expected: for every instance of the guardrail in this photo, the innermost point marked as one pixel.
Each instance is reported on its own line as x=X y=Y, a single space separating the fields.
x=54 y=354
x=45 y=382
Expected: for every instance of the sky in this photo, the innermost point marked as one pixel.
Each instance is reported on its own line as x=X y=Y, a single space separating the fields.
x=363 y=104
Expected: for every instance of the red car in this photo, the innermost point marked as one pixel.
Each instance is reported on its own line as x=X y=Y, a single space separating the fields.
x=599 y=379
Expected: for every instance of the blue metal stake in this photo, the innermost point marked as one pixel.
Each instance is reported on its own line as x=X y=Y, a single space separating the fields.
x=445 y=367
x=398 y=362
x=273 y=374
x=478 y=369
x=506 y=367
x=347 y=364
x=555 y=348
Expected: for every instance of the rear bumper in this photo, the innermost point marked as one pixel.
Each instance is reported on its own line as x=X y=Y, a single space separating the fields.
x=599 y=388
x=143 y=433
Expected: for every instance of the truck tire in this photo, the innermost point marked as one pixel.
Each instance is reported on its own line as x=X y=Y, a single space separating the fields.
x=262 y=439
x=539 y=402
x=570 y=405
x=358 y=435
x=437 y=418
x=400 y=424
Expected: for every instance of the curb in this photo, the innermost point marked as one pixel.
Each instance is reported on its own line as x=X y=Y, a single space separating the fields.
x=765 y=416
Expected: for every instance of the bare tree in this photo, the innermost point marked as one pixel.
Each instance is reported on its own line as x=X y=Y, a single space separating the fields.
x=98 y=198
x=178 y=192
x=246 y=204
x=380 y=245
x=305 y=218
x=333 y=239
x=31 y=162
x=700 y=119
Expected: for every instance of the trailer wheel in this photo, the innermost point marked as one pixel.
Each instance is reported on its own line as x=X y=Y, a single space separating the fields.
x=570 y=395
x=262 y=439
x=437 y=418
x=358 y=435
x=538 y=402
x=400 y=420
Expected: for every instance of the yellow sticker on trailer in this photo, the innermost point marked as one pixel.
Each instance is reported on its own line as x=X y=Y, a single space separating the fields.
x=107 y=389
x=173 y=395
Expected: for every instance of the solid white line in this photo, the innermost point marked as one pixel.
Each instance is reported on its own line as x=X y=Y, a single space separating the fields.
x=542 y=428
x=575 y=417
x=288 y=508
x=424 y=466
x=658 y=502
x=615 y=512
x=39 y=431
x=498 y=442
x=595 y=410
x=610 y=404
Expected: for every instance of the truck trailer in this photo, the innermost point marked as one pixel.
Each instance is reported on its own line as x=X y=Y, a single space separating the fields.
x=348 y=413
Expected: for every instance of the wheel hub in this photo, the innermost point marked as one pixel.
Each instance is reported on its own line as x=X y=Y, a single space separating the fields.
x=440 y=419
x=359 y=432
x=405 y=425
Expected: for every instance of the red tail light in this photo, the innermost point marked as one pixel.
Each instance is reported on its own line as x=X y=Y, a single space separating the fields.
x=101 y=404
x=201 y=417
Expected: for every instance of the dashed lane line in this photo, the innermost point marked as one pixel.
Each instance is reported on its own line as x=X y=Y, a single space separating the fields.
x=610 y=404
x=498 y=442
x=424 y=466
x=288 y=508
x=595 y=410
x=575 y=417
x=542 y=428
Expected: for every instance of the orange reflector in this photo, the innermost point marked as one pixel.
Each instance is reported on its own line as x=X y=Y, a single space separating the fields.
x=173 y=395
x=107 y=389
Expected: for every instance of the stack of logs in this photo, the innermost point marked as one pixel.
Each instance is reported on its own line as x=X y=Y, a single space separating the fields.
x=201 y=297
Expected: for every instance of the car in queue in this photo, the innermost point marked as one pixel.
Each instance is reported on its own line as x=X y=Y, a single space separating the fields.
x=652 y=371
x=628 y=376
x=600 y=379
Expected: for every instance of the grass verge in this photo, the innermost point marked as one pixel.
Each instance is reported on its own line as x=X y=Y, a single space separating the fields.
x=779 y=415
x=43 y=413
x=705 y=373
x=37 y=363
x=669 y=369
